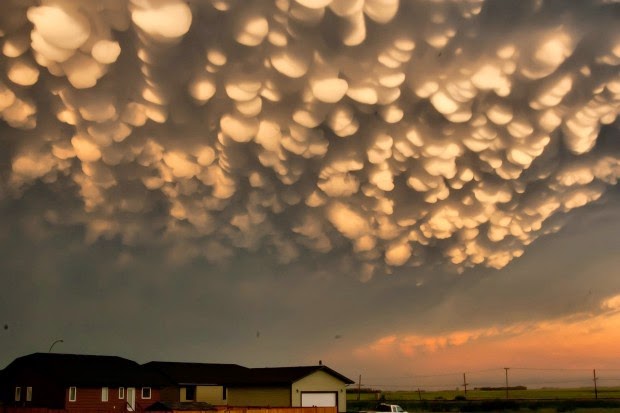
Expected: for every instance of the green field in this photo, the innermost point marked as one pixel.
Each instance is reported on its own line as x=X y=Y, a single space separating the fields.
x=534 y=394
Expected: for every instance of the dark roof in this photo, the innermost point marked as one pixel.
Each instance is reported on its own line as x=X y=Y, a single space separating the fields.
x=112 y=371
x=179 y=406
x=84 y=370
x=289 y=375
x=199 y=373
x=233 y=374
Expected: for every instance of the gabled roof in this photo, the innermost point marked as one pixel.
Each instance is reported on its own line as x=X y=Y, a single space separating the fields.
x=83 y=370
x=289 y=375
x=233 y=374
x=199 y=373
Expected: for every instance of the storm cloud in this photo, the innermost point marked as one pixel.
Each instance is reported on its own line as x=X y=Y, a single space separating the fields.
x=379 y=133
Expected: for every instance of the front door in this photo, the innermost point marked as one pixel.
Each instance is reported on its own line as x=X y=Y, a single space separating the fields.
x=131 y=399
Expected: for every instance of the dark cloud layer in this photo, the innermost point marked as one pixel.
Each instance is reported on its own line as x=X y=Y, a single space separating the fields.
x=394 y=134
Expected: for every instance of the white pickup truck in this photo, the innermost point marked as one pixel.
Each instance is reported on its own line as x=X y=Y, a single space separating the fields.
x=387 y=408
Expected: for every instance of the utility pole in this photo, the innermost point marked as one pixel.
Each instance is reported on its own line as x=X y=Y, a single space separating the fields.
x=359 y=387
x=595 y=388
x=506 y=368
x=465 y=384
x=419 y=394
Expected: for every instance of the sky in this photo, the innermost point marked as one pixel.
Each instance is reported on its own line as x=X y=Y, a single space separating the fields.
x=407 y=191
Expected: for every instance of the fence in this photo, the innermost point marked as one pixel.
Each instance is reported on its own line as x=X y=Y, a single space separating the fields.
x=278 y=410
x=4 y=409
x=219 y=410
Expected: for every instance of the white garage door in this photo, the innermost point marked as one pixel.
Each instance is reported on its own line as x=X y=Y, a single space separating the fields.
x=318 y=399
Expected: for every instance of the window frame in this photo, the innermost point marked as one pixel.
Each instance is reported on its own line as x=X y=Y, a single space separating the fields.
x=142 y=396
x=18 y=393
x=29 y=393
x=72 y=389
x=121 y=393
x=105 y=394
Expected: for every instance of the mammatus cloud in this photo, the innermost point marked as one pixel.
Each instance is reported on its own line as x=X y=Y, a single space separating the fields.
x=393 y=132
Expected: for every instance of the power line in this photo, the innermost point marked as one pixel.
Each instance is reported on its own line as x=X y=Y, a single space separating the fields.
x=460 y=373
x=547 y=369
x=490 y=377
x=414 y=376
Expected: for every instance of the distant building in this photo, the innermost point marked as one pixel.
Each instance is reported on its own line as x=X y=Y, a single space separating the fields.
x=78 y=382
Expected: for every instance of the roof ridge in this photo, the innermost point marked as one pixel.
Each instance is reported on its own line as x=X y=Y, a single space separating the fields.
x=40 y=353
x=195 y=362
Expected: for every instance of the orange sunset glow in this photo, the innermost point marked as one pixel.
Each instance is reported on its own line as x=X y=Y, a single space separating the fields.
x=558 y=343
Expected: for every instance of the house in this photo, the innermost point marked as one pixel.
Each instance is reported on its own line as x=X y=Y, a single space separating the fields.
x=79 y=383
x=197 y=382
x=303 y=386
x=237 y=386
x=1 y=387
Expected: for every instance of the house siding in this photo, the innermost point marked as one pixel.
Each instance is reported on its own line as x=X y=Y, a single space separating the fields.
x=44 y=392
x=211 y=394
x=89 y=399
x=319 y=381
x=259 y=396
x=141 y=403
x=170 y=394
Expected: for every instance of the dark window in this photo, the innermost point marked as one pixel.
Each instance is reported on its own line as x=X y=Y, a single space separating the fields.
x=28 y=394
x=146 y=392
x=72 y=394
x=18 y=394
x=190 y=393
x=121 y=393
x=223 y=392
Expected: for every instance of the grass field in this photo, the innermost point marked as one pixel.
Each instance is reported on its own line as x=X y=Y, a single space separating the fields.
x=533 y=394
x=547 y=400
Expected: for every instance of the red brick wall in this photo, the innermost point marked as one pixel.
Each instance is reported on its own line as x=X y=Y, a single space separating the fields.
x=142 y=404
x=89 y=399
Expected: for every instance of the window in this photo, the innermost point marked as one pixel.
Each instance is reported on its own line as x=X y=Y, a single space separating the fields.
x=104 y=394
x=121 y=393
x=18 y=394
x=190 y=393
x=72 y=394
x=146 y=392
x=223 y=392
x=28 y=394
